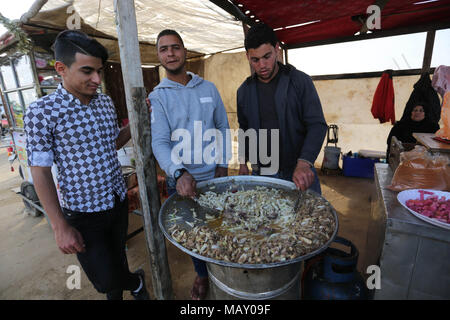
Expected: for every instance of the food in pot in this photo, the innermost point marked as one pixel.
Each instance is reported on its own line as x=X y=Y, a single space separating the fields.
x=258 y=226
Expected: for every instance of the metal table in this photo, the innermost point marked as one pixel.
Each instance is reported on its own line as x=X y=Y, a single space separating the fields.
x=414 y=256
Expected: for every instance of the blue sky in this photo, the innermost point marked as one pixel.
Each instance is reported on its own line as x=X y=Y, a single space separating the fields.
x=400 y=52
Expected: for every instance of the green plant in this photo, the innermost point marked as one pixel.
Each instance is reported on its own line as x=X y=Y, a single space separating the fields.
x=24 y=43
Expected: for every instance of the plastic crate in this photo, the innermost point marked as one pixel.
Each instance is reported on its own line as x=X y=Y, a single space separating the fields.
x=358 y=167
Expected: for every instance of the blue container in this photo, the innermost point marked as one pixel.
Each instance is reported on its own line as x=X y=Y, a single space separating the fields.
x=333 y=276
x=358 y=167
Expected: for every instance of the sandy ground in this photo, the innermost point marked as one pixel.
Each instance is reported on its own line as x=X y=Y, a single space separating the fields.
x=32 y=267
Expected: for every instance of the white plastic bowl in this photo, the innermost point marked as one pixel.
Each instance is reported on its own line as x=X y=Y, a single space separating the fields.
x=414 y=194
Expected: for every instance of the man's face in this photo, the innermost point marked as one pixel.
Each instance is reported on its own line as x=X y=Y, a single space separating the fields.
x=171 y=54
x=83 y=77
x=264 y=61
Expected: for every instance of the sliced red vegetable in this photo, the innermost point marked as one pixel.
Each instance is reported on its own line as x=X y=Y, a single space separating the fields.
x=433 y=207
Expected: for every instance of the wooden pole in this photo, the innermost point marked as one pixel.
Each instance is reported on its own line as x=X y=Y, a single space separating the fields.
x=35 y=8
x=245 y=28
x=139 y=117
x=428 y=54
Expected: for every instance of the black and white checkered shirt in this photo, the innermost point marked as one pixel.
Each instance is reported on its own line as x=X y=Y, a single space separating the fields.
x=80 y=139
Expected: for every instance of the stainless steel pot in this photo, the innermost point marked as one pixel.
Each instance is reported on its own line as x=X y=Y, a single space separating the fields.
x=233 y=280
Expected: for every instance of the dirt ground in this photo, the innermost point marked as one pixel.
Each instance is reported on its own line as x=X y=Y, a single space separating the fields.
x=33 y=268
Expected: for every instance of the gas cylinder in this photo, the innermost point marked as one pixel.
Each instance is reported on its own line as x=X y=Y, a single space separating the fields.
x=332 y=275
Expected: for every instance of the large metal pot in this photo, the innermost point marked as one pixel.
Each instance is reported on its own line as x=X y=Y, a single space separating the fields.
x=229 y=280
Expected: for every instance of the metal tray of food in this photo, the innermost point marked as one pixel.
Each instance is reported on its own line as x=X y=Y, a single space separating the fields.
x=179 y=210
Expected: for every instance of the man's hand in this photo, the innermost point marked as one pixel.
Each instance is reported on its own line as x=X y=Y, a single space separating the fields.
x=123 y=137
x=68 y=239
x=186 y=185
x=243 y=170
x=303 y=176
x=221 y=172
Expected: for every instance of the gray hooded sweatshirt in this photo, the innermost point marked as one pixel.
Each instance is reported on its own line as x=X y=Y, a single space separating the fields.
x=189 y=127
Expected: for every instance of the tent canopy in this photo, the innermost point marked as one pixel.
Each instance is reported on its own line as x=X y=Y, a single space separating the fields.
x=204 y=27
x=208 y=27
x=312 y=22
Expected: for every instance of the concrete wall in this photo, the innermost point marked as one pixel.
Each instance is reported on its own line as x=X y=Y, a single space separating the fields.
x=346 y=103
x=227 y=71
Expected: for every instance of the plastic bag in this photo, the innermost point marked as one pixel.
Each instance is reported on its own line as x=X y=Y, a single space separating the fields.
x=419 y=170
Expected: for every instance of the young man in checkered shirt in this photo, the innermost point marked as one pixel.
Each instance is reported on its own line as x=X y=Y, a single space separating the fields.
x=76 y=128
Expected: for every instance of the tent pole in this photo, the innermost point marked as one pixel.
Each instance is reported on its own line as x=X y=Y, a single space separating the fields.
x=245 y=28
x=139 y=116
x=428 y=54
x=35 y=8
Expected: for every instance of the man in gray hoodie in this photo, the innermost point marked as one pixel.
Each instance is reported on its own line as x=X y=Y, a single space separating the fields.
x=189 y=121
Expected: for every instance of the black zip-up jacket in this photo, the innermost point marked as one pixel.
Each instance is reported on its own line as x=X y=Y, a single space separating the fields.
x=301 y=120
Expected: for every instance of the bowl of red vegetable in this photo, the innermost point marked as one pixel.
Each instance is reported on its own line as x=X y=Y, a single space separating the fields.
x=432 y=206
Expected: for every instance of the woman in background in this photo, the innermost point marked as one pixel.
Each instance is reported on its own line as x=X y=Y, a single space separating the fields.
x=416 y=119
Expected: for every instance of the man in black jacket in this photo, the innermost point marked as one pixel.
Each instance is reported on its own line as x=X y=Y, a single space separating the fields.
x=284 y=101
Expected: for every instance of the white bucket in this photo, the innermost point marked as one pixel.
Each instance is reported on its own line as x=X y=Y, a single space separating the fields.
x=331 y=157
x=125 y=155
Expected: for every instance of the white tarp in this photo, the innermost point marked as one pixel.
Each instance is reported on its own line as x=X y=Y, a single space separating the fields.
x=204 y=27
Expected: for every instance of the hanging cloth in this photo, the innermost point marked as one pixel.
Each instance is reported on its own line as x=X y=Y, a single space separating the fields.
x=424 y=93
x=441 y=83
x=383 y=107
x=441 y=80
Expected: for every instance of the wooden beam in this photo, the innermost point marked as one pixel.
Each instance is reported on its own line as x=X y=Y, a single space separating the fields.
x=35 y=8
x=245 y=28
x=375 y=74
x=8 y=112
x=380 y=4
x=98 y=36
x=428 y=54
x=374 y=35
x=232 y=9
x=139 y=117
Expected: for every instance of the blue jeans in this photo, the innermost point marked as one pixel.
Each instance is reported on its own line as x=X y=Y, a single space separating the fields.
x=199 y=265
x=287 y=175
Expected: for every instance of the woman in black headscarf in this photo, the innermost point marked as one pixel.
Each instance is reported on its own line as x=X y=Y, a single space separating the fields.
x=416 y=118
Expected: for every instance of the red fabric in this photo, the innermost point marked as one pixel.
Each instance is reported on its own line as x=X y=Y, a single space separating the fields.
x=283 y=13
x=383 y=107
x=334 y=18
x=323 y=30
x=125 y=122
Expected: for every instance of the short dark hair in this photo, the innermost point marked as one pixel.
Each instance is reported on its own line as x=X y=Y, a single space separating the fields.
x=69 y=42
x=168 y=32
x=258 y=35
